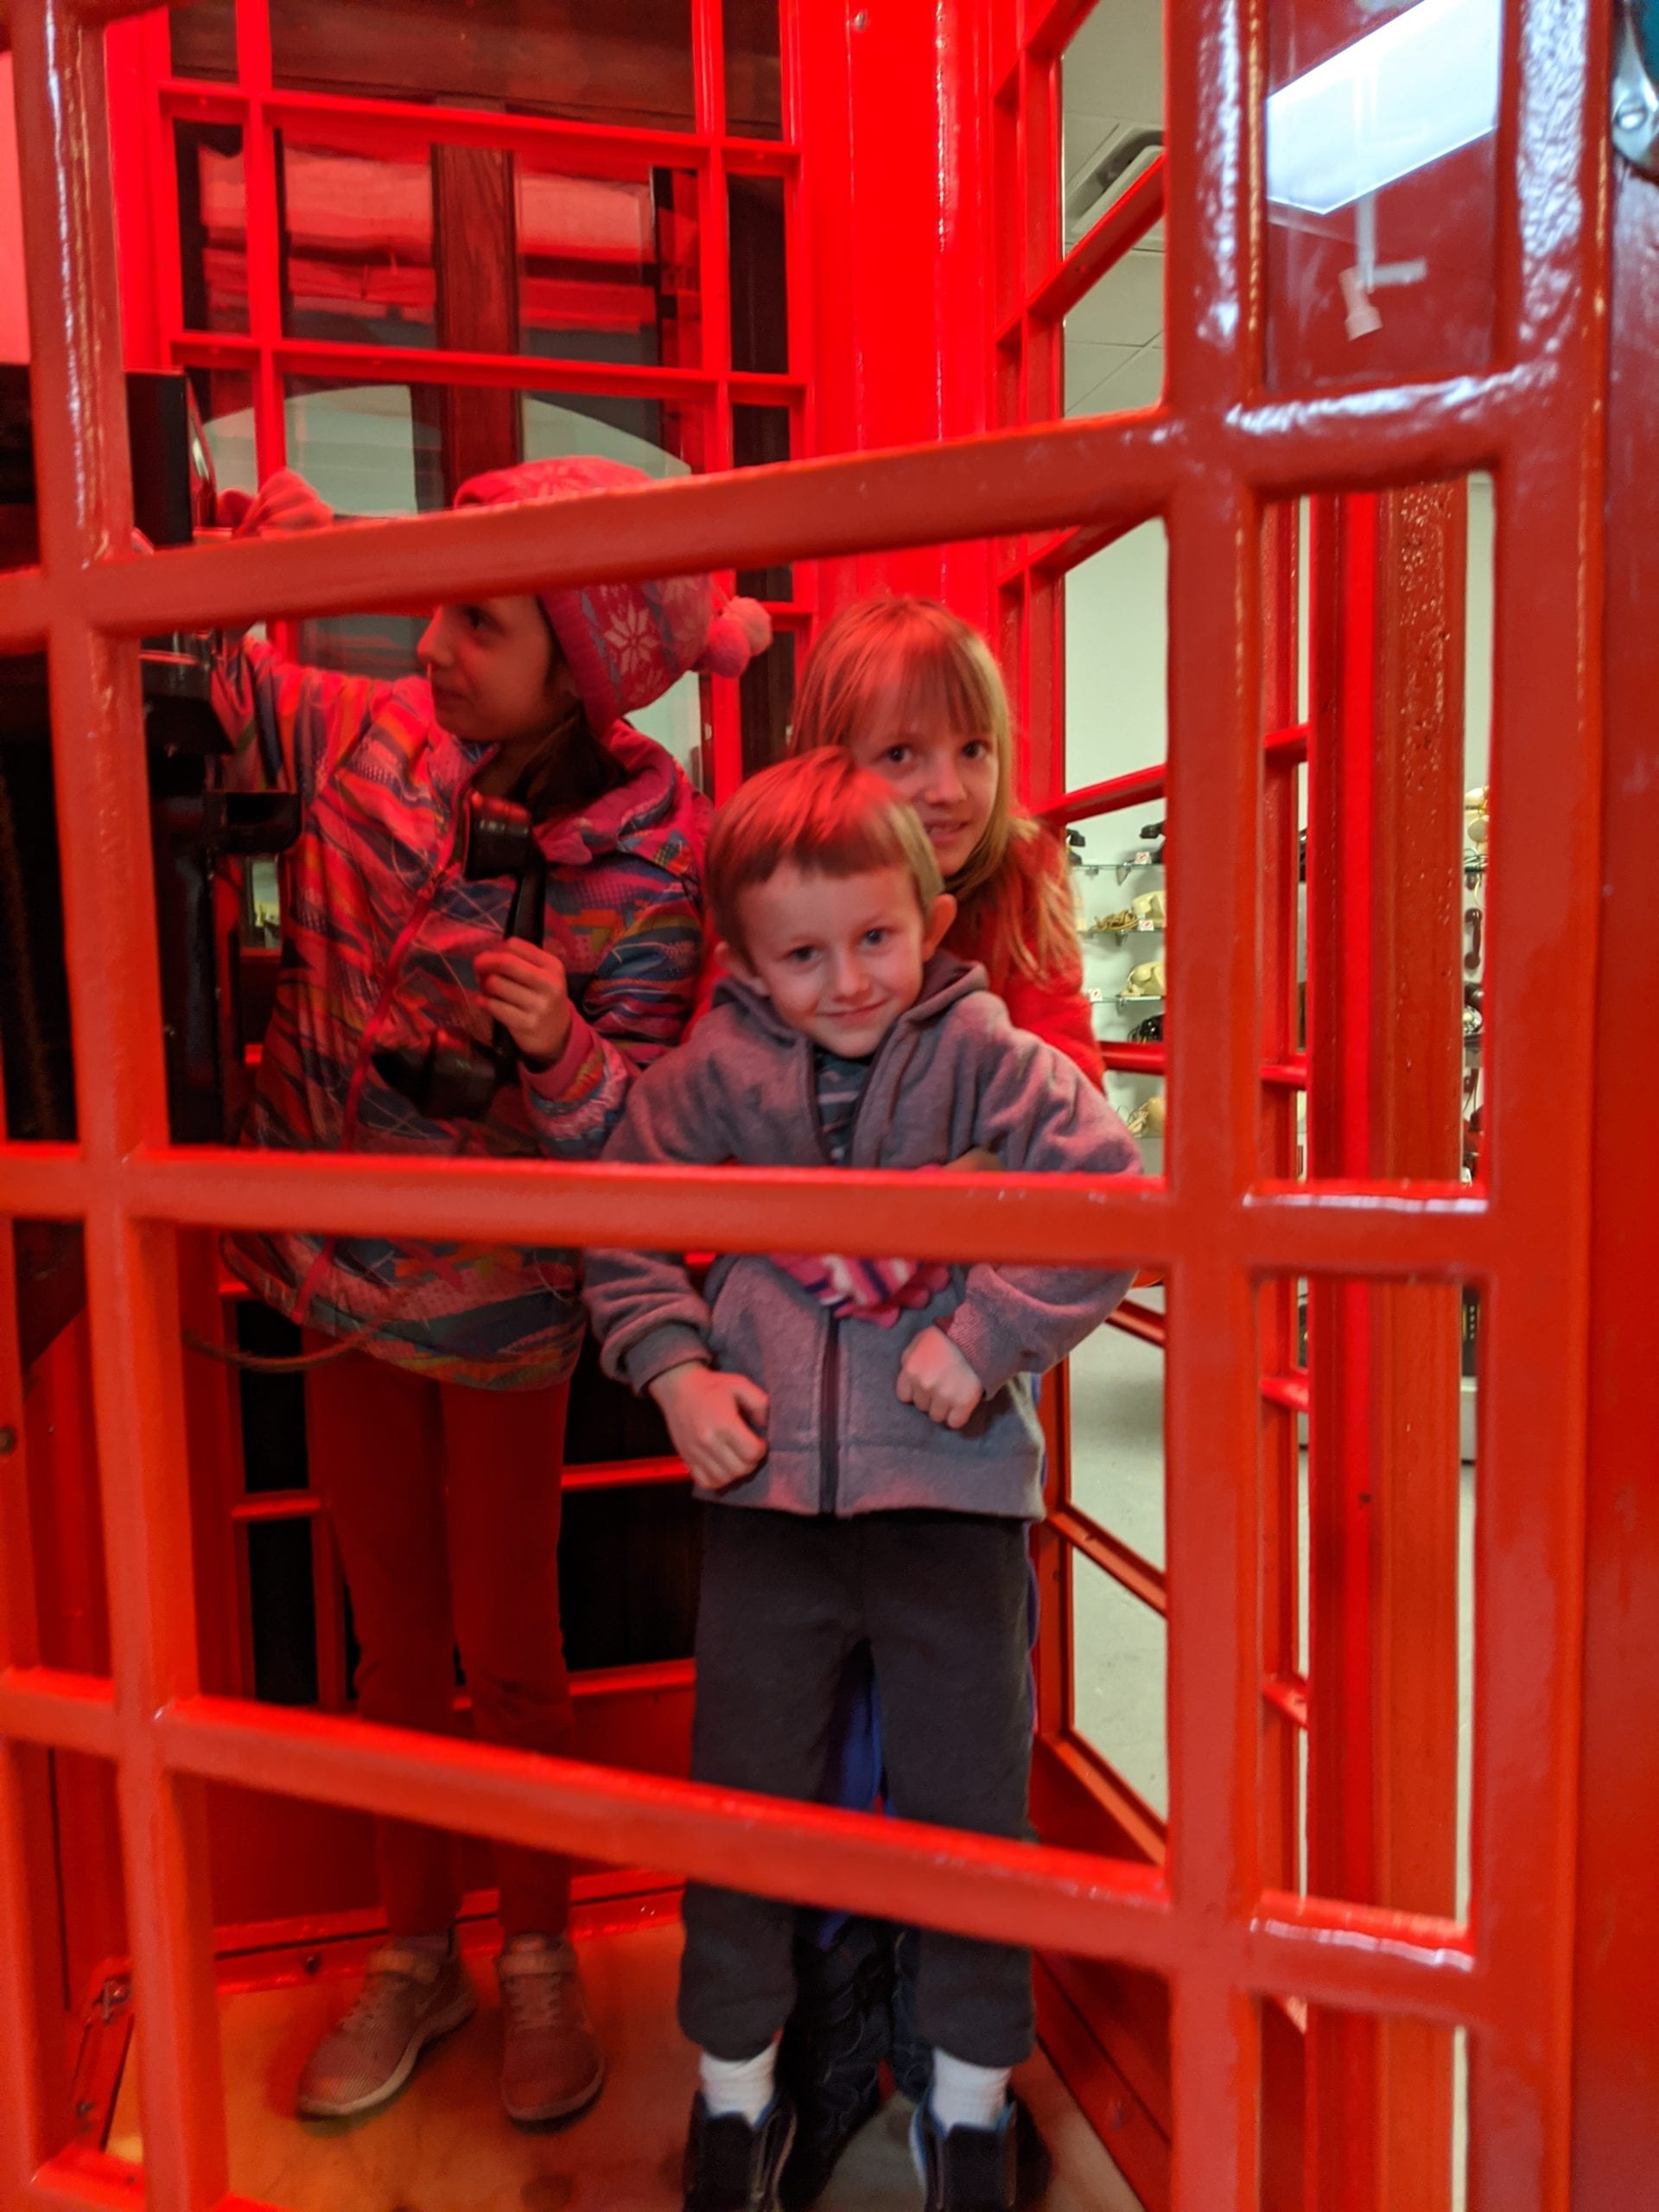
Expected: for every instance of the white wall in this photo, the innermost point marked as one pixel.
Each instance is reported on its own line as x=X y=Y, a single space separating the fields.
x=1118 y=649
x=1116 y=693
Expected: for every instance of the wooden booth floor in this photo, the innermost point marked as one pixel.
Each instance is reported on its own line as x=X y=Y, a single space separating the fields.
x=445 y=2145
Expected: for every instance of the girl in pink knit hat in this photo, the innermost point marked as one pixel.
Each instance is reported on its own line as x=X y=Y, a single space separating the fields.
x=439 y=1374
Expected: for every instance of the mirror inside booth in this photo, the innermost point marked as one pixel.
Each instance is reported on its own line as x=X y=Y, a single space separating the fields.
x=384 y=262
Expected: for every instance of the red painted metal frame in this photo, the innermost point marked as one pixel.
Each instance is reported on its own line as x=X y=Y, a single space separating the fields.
x=1615 y=2042
x=1208 y=461
x=260 y=109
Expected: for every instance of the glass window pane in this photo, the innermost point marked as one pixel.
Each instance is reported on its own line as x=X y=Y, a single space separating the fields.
x=357 y=244
x=759 y=436
x=1112 y=94
x=272 y=1406
x=282 y=1604
x=765 y=694
x=1381 y=184
x=609 y=267
x=662 y=436
x=755 y=105
x=212 y=226
x=1115 y=338
x=1112 y=103
x=627 y=63
x=1117 y=660
x=224 y=402
x=386 y=449
x=375 y=448
x=1120 y=1657
x=759 y=281
x=202 y=40
x=1116 y=1396
x=1378 y=1532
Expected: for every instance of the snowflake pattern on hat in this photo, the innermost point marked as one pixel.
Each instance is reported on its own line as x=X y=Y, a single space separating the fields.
x=627 y=642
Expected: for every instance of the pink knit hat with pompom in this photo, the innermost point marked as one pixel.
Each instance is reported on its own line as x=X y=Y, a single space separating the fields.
x=627 y=642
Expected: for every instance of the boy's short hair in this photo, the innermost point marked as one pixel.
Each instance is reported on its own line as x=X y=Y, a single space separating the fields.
x=827 y=817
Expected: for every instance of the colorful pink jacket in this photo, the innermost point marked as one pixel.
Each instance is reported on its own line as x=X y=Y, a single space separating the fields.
x=379 y=933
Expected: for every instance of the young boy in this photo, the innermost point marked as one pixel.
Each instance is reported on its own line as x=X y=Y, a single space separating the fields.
x=874 y=1421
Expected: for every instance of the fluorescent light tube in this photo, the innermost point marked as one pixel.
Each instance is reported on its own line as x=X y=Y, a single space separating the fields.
x=1406 y=94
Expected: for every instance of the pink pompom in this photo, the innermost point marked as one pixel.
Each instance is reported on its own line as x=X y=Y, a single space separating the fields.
x=753 y=621
x=741 y=629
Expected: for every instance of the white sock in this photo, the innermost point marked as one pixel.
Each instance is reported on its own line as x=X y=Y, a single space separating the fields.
x=742 y=2085
x=964 y=2096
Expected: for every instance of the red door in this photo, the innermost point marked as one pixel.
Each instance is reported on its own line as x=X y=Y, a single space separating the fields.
x=1252 y=1940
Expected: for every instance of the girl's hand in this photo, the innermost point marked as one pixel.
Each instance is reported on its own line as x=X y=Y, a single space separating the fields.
x=934 y=1378
x=976 y=1160
x=525 y=990
x=713 y=1420
x=283 y=503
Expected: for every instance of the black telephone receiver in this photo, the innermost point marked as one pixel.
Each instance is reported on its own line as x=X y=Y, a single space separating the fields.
x=452 y=1078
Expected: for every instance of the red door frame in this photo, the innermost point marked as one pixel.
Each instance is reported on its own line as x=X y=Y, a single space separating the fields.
x=1615 y=2043
x=1225 y=1940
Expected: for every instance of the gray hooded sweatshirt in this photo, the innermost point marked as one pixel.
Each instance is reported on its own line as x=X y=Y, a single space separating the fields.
x=952 y=1072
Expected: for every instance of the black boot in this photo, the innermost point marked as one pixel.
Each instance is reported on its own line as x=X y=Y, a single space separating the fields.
x=912 y=2054
x=831 y=2054
x=731 y=2166
x=965 y=2169
x=911 y=2061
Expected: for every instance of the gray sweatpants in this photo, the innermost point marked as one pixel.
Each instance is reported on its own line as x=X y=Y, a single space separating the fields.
x=941 y=1598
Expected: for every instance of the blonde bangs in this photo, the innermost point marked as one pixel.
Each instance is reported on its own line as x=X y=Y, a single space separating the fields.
x=911 y=663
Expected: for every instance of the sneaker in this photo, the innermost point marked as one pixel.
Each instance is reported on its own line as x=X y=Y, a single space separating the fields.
x=551 y=2063
x=911 y=2056
x=965 y=2169
x=732 y=2166
x=409 y=1998
x=831 y=2057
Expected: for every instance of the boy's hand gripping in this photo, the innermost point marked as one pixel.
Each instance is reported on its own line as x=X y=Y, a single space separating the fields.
x=934 y=1378
x=709 y=1415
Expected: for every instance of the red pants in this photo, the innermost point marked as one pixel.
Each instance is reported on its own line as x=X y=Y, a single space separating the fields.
x=445 y=1504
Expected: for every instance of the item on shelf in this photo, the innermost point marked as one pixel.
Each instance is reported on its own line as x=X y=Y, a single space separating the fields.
x=1149 y=910
x=1145 y=982
x=1126 y=922
x=1476 y=822
x=1149 y=1031
x=1146 y=855
x=1148 y=1118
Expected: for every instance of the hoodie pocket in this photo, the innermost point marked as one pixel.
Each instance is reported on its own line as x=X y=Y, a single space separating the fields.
x=760 y=1327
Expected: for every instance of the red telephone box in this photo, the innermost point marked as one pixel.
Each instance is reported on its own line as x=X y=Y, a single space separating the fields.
x=1269 y=1988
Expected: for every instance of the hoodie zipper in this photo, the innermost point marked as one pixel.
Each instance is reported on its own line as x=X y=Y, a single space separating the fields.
x=829 y=1388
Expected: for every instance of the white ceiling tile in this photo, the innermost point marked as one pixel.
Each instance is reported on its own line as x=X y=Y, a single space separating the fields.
x=1085 y=139
x=1087 y=368
x=1138 y=383
x=1115 y=66
x=1126 y=307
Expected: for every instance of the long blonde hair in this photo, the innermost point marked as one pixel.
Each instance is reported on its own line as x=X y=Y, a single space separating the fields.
x=913 y=663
